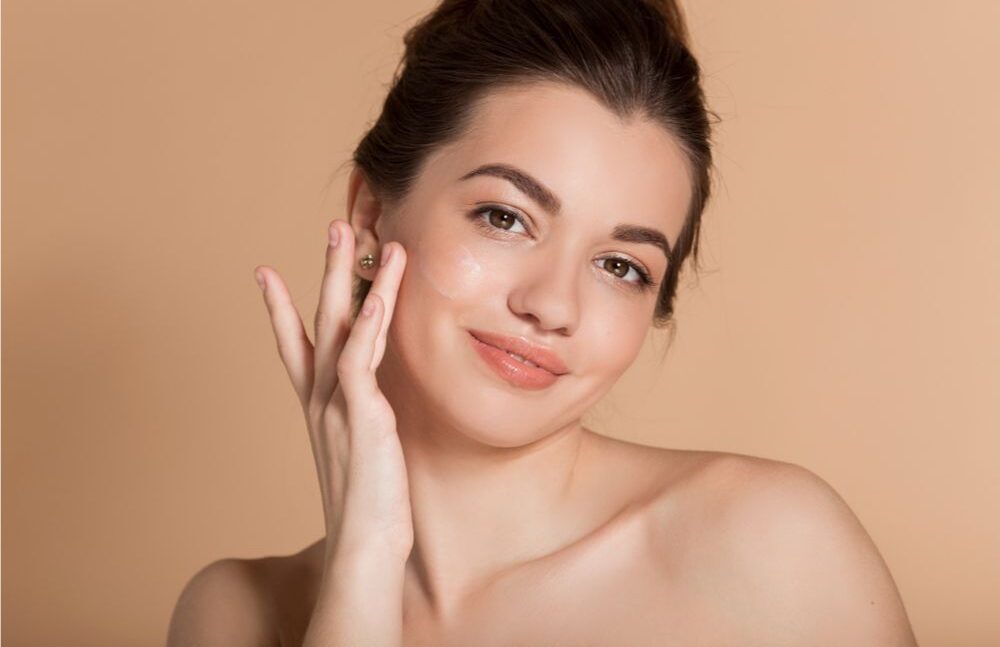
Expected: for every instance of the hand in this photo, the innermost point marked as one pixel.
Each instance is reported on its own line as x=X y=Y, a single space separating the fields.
x=352 y=427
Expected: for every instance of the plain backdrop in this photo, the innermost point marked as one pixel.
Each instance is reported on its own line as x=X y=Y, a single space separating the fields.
x=155 y=152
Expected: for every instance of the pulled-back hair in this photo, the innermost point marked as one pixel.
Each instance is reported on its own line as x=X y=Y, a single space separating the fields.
x=632 y=55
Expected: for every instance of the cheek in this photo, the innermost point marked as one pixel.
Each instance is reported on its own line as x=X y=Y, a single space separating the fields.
x=454 y=274
x=621 y=341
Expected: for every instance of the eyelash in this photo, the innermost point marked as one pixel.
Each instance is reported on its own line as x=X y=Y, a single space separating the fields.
x=644 y=284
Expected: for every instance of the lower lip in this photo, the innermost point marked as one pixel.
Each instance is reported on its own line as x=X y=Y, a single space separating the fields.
x=513 y=371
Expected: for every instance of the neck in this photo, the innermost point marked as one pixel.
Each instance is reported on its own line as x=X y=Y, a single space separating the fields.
x=480 y=510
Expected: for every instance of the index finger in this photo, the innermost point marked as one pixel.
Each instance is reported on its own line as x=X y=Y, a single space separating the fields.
x=386 y=286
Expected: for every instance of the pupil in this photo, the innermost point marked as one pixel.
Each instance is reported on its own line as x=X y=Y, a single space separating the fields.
x=618 y=264
x=503 y=216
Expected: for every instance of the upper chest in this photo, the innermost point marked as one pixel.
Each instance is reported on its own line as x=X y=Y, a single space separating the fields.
x=618 y=589
x=657 y=576
x=613 y=590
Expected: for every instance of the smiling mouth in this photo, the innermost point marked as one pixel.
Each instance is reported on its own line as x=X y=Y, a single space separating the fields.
x=515 y=371
x=523 y=350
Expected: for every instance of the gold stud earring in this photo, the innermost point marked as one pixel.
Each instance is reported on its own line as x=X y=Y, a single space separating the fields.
x=368 y=262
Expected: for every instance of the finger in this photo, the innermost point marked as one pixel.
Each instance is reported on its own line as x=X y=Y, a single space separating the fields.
x=294 y=348
x=332 y=324
x=386 y=286
x=357 y=380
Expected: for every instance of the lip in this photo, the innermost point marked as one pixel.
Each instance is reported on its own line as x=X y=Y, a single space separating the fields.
x=512 y=371
x=545 y=358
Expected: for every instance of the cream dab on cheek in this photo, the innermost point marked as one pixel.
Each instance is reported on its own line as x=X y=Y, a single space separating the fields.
x=454 y=276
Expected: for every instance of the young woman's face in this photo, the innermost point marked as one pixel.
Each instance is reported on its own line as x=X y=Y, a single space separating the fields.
x=487 y=253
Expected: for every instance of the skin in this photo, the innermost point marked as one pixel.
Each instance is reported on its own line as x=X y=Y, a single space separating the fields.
x=528 y=528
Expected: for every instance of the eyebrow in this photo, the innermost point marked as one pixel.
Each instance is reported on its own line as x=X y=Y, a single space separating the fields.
x=546 y=199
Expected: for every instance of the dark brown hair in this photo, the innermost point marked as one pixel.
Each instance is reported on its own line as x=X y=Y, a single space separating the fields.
x=631 y=55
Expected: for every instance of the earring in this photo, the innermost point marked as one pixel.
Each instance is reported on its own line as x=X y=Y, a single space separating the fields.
x=368 y=262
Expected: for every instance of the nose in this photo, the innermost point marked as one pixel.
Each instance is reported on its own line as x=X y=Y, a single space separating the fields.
x=547 y=293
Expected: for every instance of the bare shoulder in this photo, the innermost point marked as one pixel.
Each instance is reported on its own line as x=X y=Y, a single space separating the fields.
x=226 y=602
x=788 y=547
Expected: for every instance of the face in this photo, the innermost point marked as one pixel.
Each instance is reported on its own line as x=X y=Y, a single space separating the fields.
x=526 y=247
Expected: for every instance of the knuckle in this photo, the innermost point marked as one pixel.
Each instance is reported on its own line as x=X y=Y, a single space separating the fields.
x=327 y=413
x=322 y=319
x=315 y=409
x=345 y=364
x=332 y=417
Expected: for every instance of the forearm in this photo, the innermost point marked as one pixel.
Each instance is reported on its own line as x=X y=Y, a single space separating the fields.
x=360 y=603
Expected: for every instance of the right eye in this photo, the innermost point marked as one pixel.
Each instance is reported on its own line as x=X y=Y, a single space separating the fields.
x=493 y=218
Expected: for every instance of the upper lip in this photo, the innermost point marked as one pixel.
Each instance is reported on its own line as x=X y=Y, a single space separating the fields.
x=540 y=355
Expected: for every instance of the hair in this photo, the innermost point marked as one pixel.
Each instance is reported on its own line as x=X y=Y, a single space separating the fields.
x=631 y=55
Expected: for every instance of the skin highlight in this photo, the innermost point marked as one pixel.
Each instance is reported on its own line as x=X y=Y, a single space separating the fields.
x=467 y=270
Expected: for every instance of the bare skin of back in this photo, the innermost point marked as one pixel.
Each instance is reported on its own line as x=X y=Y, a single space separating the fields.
x=688 y=553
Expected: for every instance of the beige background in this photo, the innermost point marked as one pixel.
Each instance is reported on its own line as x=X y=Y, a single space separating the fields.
x=155 y=152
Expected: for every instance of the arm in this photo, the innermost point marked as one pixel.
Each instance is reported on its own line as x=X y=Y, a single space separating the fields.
x=359 y=602
x=223 y=605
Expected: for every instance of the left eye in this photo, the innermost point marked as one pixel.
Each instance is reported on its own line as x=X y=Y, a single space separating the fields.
x=495 y=218
x=621 y=267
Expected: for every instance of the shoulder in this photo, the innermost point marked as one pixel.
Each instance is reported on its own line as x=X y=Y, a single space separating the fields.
x=796 y=553
x=738 y=491
x=771 y=505
x=225 y=603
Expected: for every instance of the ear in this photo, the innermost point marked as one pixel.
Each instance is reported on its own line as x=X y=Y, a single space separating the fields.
x=364 y=210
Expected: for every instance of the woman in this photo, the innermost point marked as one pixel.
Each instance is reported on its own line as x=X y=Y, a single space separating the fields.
x=517 y=217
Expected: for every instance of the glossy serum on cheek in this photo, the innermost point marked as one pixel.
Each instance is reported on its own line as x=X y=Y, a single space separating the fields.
x=452 y=276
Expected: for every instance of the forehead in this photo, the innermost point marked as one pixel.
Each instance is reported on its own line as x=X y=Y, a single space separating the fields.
x=579 y=149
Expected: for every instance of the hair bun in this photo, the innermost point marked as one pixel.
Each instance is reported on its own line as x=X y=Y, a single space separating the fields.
x=673 y=16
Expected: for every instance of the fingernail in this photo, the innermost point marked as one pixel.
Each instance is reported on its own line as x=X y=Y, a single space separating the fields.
x=260 y=280
x=334 y=235
x=386 y=253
